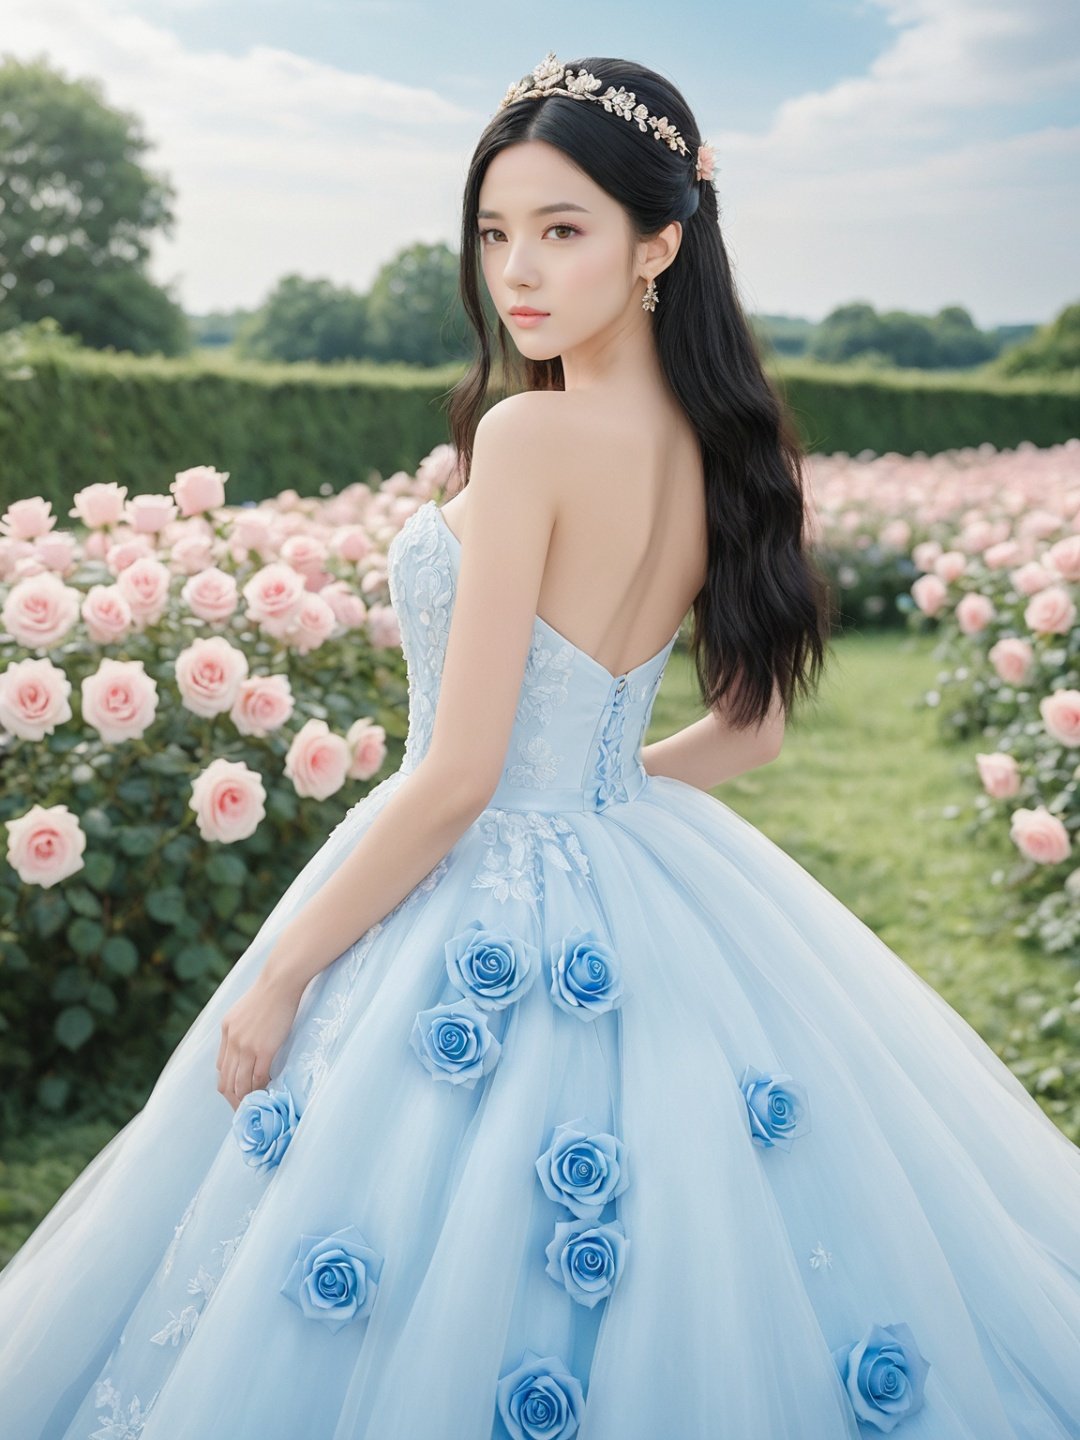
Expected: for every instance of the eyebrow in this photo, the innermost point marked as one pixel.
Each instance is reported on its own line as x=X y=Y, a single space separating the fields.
x=543 y=210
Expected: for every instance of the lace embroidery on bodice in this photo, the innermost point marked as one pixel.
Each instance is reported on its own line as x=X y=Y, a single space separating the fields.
x=577 y=728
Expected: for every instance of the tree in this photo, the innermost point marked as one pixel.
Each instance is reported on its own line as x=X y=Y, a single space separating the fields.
x=414 y=312
x=306 y=320
x=1054 y=349
x=77 y=211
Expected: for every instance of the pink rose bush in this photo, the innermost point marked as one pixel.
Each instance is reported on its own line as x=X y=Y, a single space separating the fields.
x=177 y=677
x=1009 y=640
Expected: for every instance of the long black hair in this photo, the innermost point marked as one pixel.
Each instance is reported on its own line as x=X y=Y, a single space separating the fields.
x=761 y=618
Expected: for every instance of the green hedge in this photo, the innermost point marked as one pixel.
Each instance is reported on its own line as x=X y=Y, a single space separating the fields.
x=69 y=419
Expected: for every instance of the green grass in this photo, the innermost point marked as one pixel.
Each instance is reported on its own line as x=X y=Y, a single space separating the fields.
x=860 y=796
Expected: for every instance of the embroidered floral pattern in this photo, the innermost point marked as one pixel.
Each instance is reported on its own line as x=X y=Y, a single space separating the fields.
x=425 y=602
x=202 y=1285
x=539 y=764
x=122 y=1422
x=170 y=1253
x=820 y=1257
x=547 y=675
x=515 y=842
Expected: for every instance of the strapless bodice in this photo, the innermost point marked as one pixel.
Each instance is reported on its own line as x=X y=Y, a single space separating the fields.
x=578 y=729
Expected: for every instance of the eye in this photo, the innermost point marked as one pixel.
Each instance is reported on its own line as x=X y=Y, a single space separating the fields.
x=559 y=225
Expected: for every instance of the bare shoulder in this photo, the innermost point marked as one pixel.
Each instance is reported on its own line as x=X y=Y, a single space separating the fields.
x=529 y=413
x=534 y=439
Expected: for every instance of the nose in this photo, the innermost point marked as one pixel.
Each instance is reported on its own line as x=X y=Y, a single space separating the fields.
x=519 y=268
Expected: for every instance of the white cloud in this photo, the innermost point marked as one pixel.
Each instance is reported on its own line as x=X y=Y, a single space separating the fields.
x=897 y=185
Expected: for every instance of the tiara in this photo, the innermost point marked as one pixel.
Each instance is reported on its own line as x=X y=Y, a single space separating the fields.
x=551 y=77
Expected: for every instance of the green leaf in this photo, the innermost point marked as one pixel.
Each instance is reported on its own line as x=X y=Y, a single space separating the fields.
x=225 y=902
x=52 y=1091
x=140 y=840
x=100 y=998
x=225 y=869
x=74 y=1026
x=167 y=904
x=84 y=901
x=85 y=937
x=194 y=960
x=71 y=983
x=99 y=871
x=120 y=955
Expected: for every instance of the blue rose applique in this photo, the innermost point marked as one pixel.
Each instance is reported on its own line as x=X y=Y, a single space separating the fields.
x=586 y=974
x=884 y=1375
x=540 y=1399
x=583 y=1171
x=493 y=969
x=778 y=1107
x=454 y=1042
x=334 y=1278
x=264 y=1123
x=586 y=1259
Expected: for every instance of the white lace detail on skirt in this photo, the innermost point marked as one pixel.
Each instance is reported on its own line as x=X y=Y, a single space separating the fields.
x=120 y=1423
x=515 y=842
x=202 y=1285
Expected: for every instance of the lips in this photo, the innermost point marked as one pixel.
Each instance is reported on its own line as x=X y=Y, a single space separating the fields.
x=525 y=310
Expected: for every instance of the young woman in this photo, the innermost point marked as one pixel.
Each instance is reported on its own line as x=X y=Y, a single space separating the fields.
x=553 y=1098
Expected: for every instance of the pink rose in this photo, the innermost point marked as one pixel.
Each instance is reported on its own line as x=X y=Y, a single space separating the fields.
x=251 y=530
x=148 y=514
x=33 y=698
x=263 y=703
x=1039 y=835
x=1005 y=552
x=273 y=595
x=1061 y=715
x=1012 y=658
x=45 y=845
x=1065 y=557
x=40 y=611
x=304 y=553
x=57 y=551
x=125 y=548
x=1051 y=611
x=925 y=553
x=999 y=773
x=950 y=565
x=928 y=592
x=895 y=534
x=351 y=543
x=106 y=614
x=438 y=470
x=145 y=586
x=1029 y=579
x=211 y=595
x=208 y=675
x=119 y=700
x=313 y=623
x=191 y=553
x=200 y=488
x=229 y=801
x=349 y=610
x=27 y=519
x=367 y=741
x=100 y=504
x=317 y=761
x=974 y=612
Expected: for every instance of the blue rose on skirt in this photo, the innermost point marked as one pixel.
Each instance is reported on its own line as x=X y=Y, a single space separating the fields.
x=884 y=1375
x=586 y=974
x=334 y=1278
x=540 y=1399
x=778 y=1107
x=587 y=1260
x=454 y=1043
x=494 y=970
x=263 y=1125
x=583 y=1171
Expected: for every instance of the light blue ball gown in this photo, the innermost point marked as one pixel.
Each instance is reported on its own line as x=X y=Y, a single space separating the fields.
x=618 y=1126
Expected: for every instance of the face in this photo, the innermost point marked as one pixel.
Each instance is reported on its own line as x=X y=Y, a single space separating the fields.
x=578 y=261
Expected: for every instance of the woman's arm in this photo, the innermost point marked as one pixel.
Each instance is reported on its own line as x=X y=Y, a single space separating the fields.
x=422 y=820
x=708 y=752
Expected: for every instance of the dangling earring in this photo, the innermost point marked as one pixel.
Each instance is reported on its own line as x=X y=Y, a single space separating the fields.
x=649 y=299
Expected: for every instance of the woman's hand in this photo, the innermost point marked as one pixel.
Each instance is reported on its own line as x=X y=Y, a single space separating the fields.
x=252 y=1032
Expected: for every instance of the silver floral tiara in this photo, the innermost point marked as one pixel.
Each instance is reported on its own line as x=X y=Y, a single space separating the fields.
x=551 y=77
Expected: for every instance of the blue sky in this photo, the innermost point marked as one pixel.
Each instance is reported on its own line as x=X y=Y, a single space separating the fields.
x=912 y=153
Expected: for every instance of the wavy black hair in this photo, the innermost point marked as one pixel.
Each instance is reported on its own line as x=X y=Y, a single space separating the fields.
x=762 y=617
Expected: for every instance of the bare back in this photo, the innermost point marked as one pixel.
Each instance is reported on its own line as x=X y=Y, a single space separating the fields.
x=628 y=553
